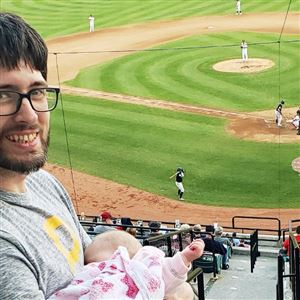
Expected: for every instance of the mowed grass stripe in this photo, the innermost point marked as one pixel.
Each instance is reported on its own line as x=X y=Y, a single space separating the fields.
x=187 y=76
x=61 y=17
x=141 y=147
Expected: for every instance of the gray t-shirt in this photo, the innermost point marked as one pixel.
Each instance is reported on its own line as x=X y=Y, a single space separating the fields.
x=41 y=240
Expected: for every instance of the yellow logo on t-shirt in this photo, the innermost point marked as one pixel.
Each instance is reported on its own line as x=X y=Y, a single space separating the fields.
x=51 y=225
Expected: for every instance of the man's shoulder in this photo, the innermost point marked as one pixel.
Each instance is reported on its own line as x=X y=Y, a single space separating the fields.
x=43 y=177
x=40 y=174
x=42 y=180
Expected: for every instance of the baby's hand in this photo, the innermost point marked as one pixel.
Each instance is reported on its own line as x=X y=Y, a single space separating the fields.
x=193 y=251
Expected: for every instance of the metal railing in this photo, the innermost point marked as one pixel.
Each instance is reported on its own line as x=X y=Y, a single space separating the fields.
x=254 y=253
x=277 y=231
x=197 y=273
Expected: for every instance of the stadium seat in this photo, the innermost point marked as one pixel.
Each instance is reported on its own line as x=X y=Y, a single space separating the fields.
x=209 y=262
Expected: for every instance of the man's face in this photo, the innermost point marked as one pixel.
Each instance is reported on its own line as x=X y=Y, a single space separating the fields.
x=23 y=136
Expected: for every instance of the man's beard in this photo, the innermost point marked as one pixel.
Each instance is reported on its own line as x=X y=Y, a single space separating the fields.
x=26 y=167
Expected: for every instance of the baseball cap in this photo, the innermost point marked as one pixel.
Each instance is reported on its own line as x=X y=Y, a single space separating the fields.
x=106 y=215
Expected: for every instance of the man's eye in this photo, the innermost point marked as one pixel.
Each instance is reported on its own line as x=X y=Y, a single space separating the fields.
x=5 y=96
x=38 y=92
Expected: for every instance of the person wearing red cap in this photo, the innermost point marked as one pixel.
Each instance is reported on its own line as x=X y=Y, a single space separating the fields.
x=106 y=217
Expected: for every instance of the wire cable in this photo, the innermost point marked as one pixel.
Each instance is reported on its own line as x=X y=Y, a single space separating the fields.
x=172 y=49
x=66 y=137
x=279 y=98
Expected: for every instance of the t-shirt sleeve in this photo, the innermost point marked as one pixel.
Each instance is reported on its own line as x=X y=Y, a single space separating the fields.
x=14 y=265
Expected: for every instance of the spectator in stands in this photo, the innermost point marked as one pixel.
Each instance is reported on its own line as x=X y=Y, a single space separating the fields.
x=285 y=250
x=186 y=237
x=243 y=243
x=197 y=229
x=218 y=236
x=118 y=260
x=125 y=221
x=154 y=228
x=216 y=247
x=103 y=228
x=82 y=216
x=222 y=239
x=107 y=217
x=41 y=240
x=184 y=226
x=235 y=240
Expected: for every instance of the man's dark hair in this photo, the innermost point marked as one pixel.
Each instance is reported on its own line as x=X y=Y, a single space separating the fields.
x=20 y=42
x=298 y=229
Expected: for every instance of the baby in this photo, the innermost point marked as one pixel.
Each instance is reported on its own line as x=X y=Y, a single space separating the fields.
x=118 y=267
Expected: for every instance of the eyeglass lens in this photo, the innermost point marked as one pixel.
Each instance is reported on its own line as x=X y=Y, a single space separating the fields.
x=42 y=100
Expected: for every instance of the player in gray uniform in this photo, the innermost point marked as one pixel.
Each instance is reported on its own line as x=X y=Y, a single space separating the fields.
x=41 y=241
x=278 y=113
x=178 y=181
x=244 y=47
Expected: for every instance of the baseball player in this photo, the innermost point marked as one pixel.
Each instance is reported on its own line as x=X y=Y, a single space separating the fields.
x=278 y=113
x=92 y=23
x=244 y=48
x=298 y=114
x=296 y=121
x=238 y=7
x=178 y=181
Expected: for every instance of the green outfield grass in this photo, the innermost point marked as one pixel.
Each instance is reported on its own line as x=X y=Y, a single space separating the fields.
x=142 y=147
x=187 y=76
x=61 y=17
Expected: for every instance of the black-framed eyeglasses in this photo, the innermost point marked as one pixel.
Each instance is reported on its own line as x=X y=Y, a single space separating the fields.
x=40 y=99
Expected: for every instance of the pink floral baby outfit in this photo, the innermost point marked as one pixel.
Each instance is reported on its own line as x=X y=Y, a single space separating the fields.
x=148 y=275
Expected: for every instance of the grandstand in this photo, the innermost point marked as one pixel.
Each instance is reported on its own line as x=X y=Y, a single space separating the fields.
x=256 y=272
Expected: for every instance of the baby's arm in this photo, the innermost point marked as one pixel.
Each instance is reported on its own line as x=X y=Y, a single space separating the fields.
x=175 y=268
x=192 y=251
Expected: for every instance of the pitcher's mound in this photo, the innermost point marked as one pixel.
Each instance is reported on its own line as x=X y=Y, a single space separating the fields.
x=238 y=66
x=296 y=164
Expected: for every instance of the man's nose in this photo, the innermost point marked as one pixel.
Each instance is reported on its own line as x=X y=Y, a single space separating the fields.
x=26 y=113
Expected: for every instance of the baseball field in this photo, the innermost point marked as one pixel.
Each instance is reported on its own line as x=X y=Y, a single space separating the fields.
x=142 y=96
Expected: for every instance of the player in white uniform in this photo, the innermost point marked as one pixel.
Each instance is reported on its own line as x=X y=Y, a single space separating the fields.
x=92 y=23
x=238 y=7
x=296 y=120
x=244 y=48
